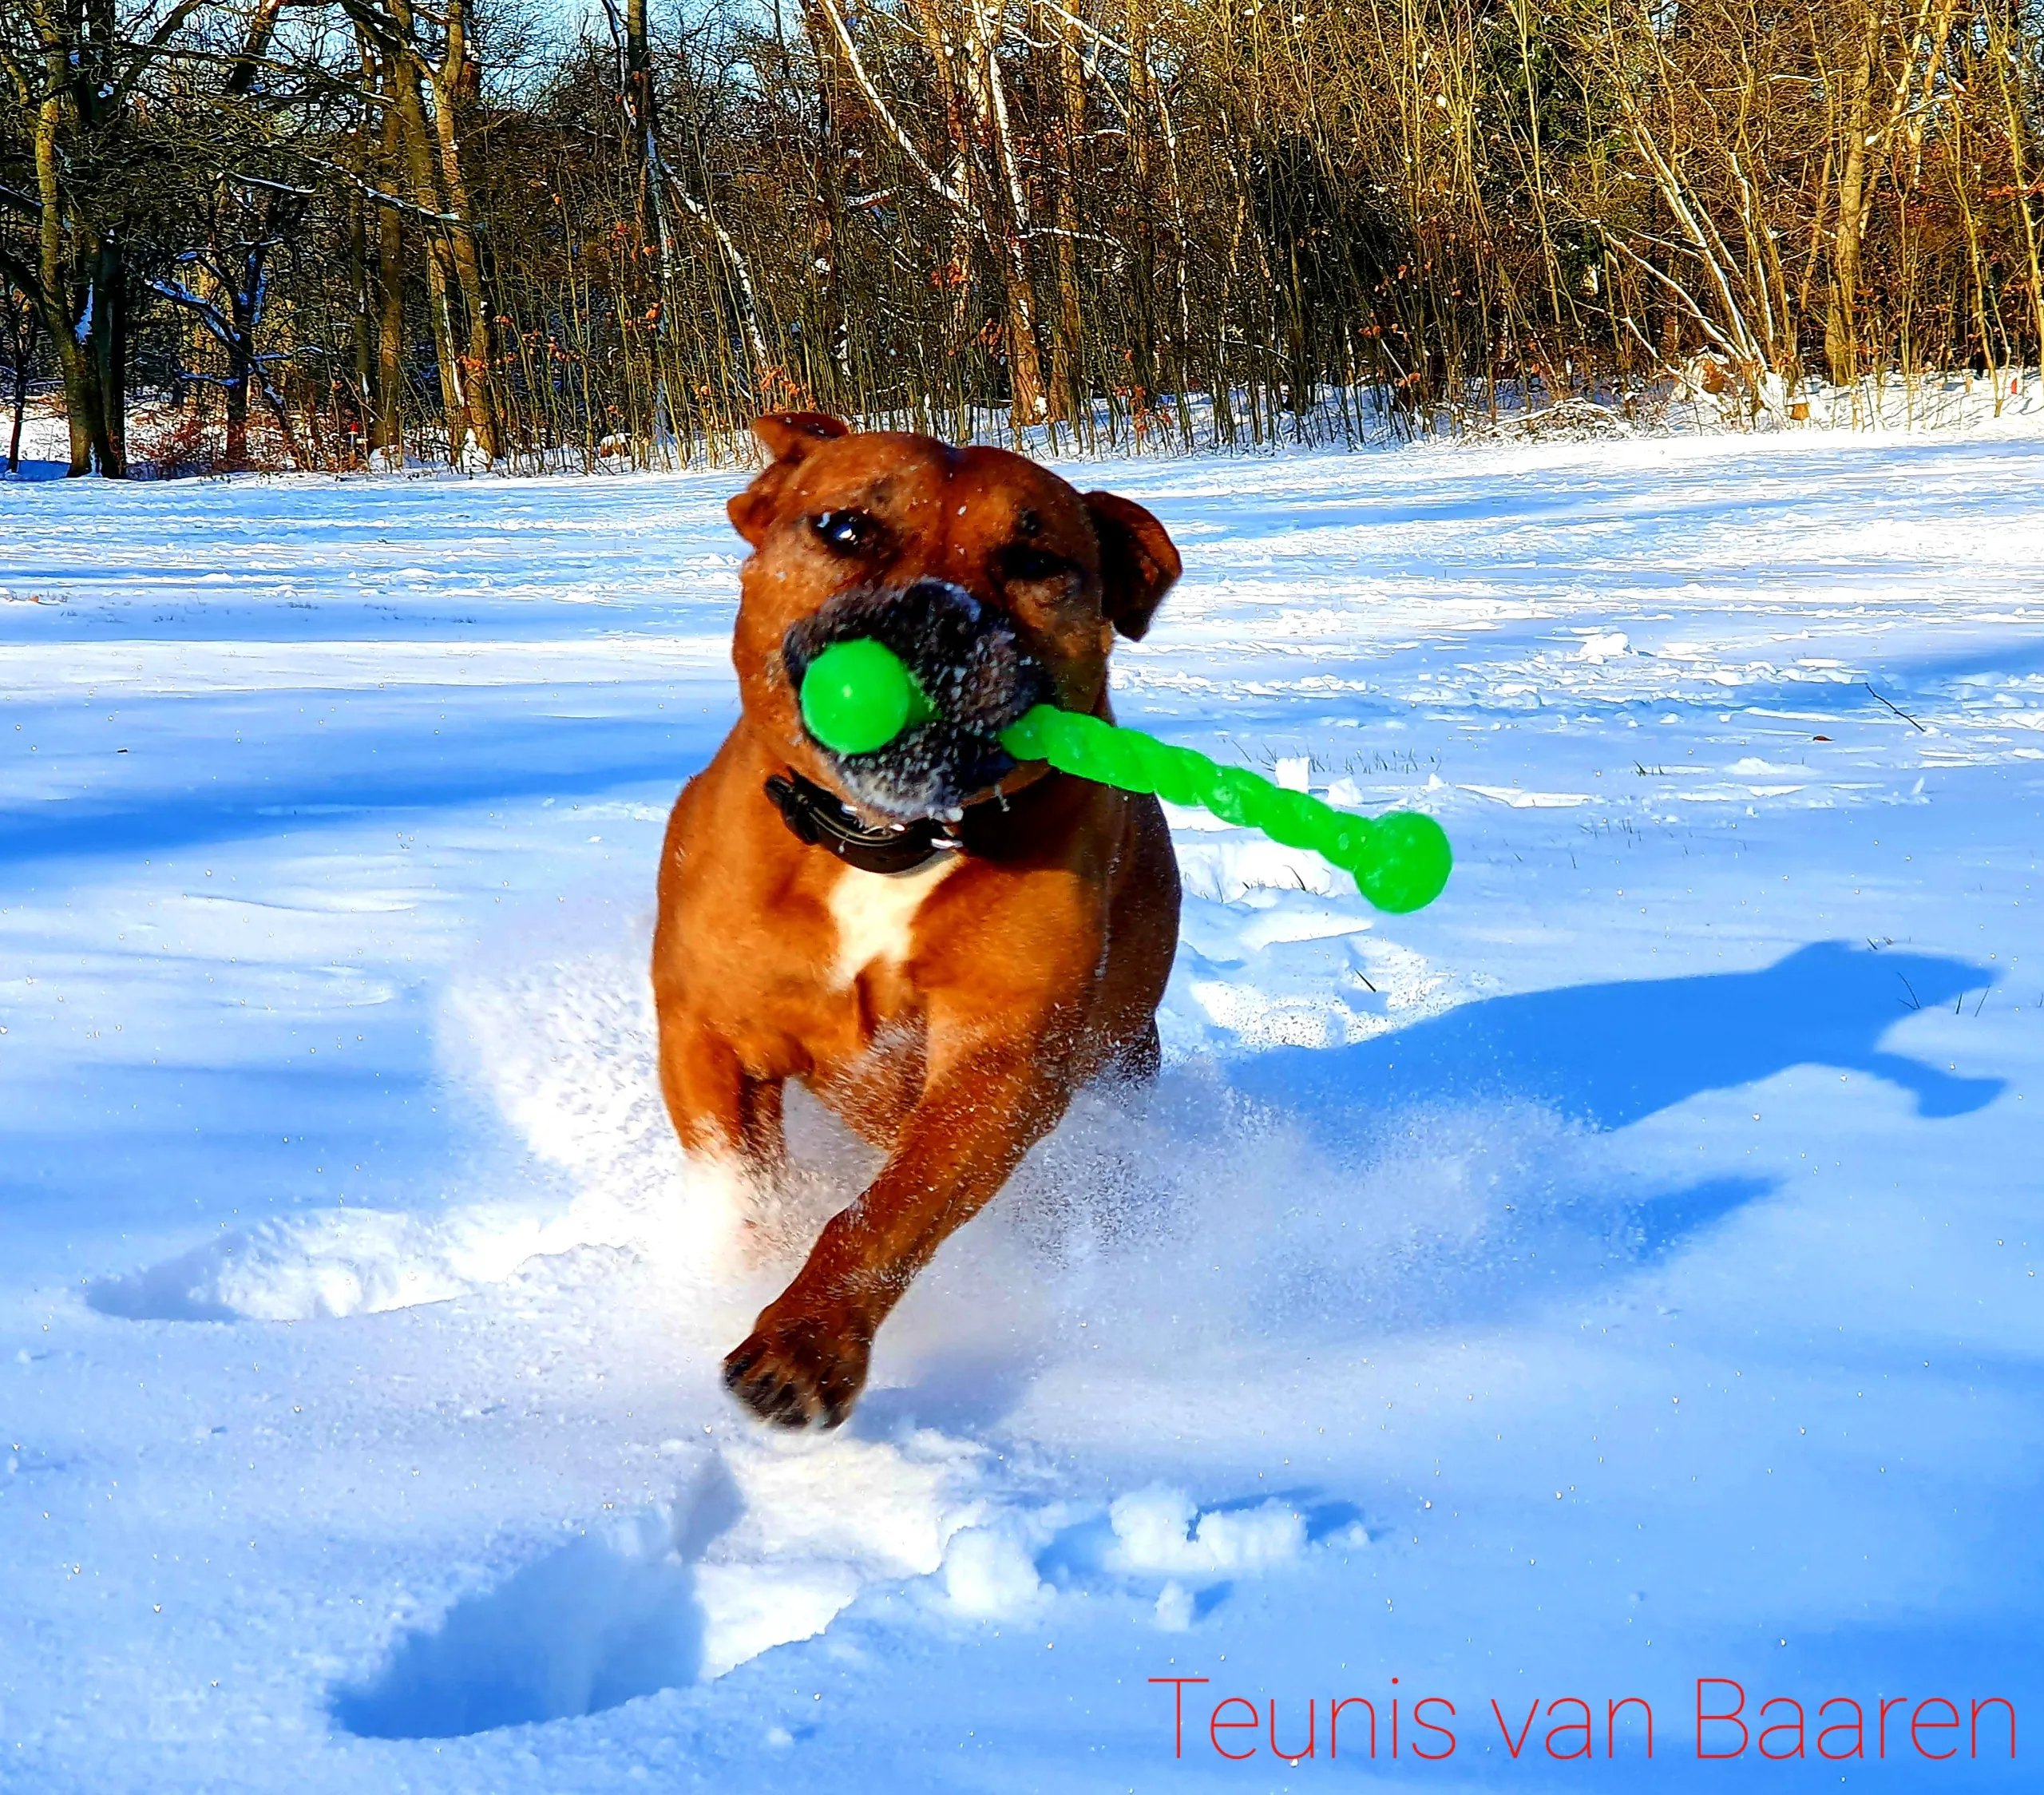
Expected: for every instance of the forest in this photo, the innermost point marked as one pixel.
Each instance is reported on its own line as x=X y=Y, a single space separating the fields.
x=340 y=234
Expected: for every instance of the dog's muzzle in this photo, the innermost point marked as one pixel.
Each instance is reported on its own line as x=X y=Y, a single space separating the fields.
x=972 y=668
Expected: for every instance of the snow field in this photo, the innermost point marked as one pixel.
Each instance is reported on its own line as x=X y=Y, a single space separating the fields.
x=1617 y=1274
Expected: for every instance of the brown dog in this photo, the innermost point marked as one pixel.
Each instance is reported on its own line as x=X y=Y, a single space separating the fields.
x=941 y=945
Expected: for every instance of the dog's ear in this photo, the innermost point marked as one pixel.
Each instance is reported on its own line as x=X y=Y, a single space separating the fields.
x=790 y=436
x=1138 y=562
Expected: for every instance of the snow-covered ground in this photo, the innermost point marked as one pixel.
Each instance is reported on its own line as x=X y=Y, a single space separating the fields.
x=1623 y=1273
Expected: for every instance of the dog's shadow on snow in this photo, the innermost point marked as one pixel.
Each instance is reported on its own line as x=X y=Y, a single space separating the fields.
x=1603 y=1057
x=1607 y=1056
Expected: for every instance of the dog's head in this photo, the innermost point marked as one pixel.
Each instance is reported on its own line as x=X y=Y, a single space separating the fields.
x=1000 y=585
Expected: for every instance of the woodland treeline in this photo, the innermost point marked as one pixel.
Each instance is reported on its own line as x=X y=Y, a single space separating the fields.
x=335 y=232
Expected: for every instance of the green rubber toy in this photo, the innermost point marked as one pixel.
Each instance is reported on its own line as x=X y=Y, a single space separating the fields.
x=857 y=696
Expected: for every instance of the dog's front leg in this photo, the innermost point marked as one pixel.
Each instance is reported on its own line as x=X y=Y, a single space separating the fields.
x=988 y=1099
x=727 y=1119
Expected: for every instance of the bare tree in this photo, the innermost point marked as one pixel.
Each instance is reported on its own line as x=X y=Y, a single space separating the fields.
x=312 y=229
x=19 y=327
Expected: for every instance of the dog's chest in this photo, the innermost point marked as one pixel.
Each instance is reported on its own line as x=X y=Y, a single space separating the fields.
x=874 y=914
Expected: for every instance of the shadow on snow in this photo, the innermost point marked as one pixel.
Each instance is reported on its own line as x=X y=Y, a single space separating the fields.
x=1607 y=1055
x=595 y=1623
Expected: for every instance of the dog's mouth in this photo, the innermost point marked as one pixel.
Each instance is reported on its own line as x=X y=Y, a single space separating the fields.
x=971 y=665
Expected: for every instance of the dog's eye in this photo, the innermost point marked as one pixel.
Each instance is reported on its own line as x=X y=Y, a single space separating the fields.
x=1024 y=564
x=847 y=533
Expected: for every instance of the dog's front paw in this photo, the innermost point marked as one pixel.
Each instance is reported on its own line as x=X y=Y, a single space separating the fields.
x=804 y=1372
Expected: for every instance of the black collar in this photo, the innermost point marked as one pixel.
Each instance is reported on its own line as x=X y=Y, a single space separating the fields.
x=819 y=817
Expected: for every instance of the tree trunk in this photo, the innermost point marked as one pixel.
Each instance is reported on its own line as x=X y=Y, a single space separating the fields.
x=1005 y=218
x=963 y=178
x=415 y=135
x=448 y=83
x=235 y=393
x=1143 y=276
x=386 y=428
x=53 y=275
x=1070 y=386
x=642 y=112
x=827 y=232
x=2013 y=112
x=362 y=406
x=383 y=277
x=1841 y=329
x=21 y=403
x=108 y=342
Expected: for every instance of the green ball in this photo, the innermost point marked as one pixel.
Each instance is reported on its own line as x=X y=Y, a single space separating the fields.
x=857 y=696
x=1409 y=862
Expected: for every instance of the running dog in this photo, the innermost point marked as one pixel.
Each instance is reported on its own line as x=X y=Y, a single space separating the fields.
x=941 y=945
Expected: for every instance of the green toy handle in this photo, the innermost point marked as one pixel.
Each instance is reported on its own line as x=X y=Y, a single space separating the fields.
x=857 y=696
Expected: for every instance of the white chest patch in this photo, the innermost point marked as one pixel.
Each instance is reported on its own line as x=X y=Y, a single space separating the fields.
x=875 y=914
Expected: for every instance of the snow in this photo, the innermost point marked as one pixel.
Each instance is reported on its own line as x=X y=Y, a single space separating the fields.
x=1620 y=1273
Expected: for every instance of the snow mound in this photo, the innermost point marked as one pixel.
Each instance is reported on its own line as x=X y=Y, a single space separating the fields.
x=770 y=1541
x=1161 y=1529
x=773 y=1538
x=322 y=1265
x=565 y=1051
